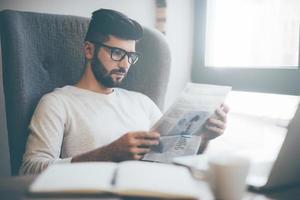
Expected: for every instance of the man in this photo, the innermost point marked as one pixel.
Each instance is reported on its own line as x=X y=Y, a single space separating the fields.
x=94 y=120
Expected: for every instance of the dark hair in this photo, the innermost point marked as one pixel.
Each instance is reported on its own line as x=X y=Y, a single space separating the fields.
x=107 y=22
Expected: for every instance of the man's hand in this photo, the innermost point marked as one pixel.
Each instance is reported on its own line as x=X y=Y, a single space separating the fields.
x=216 y=124
x=131 y=146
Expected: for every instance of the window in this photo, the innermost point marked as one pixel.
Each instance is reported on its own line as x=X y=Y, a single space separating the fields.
x=251 y=45
x=252 y=33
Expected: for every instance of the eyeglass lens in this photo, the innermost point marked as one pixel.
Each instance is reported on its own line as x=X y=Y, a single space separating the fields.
x=119 y=54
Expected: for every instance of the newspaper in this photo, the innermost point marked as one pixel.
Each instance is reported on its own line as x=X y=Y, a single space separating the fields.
x=182 y=125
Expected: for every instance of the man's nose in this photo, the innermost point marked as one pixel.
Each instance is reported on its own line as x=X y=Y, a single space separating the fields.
x=124 y=63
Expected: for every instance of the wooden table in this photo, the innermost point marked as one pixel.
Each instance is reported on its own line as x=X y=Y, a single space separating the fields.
x=15 y=188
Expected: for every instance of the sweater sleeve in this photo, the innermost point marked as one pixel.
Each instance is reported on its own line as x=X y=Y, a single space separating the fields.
x=46 y=132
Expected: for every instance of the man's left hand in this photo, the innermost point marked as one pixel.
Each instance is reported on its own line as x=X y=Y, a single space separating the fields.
x=216 y=124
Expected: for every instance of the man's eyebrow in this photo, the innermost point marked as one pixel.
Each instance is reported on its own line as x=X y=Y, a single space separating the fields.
x=119 y=48
x=114 y=47
x=123 y=50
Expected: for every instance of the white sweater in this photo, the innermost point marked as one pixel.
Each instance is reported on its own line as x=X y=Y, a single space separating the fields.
x=70 y=121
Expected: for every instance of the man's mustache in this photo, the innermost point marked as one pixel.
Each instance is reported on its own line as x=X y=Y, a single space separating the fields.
x=118 y=70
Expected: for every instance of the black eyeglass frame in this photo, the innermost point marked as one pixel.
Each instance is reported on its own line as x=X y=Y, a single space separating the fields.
x=131 y=61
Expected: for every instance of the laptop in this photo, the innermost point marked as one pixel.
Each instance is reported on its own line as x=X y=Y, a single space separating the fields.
x=285 y=169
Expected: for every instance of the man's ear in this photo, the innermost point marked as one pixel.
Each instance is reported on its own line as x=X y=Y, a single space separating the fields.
x=89 y=49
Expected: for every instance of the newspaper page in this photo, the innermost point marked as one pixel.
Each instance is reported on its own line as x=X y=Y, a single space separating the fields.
x=182 y=125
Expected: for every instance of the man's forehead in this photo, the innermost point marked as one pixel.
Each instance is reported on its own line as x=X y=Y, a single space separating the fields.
x=128 y=45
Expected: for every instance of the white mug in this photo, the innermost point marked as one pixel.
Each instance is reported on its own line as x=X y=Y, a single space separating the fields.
x=227 y=176
x=225 y=172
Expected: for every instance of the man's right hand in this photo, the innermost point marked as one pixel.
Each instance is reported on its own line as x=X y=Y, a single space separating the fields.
x=131 y=146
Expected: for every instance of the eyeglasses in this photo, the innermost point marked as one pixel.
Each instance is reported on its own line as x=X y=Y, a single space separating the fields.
x=118 y=54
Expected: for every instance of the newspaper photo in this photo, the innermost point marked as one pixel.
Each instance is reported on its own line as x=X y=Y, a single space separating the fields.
x=182 y=124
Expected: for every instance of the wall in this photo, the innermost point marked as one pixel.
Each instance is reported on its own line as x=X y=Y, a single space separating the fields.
x=179 y=32
x=142 y=11
x=179 y=29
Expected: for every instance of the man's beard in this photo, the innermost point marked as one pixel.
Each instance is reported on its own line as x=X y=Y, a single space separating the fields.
x=103 y=76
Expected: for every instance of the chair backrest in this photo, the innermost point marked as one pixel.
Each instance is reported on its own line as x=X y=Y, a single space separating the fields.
x=43 y=51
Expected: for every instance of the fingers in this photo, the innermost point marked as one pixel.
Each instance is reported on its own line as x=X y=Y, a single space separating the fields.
x=215 y=129
x=143 y=139
x=133 y=145
x=138 y=153
x=221 y=114
x=146 y=135
x=216 y=125
x=137 y=157
x=213 y=122
x=146 y=143
x=142 y=143
x=225 y=108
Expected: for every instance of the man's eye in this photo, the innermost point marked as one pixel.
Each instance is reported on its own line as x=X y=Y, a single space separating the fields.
x=118 y=52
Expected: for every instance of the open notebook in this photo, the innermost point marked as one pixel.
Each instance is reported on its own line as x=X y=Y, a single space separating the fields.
x=129 y=178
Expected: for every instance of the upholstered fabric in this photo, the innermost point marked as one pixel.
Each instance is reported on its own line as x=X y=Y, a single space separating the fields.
x=43 y=51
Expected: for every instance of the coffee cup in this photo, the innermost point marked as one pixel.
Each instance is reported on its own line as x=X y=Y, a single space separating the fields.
x=225 y=172
x=227 y=175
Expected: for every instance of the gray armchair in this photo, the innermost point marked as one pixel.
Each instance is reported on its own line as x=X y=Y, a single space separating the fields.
x=43 y=51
